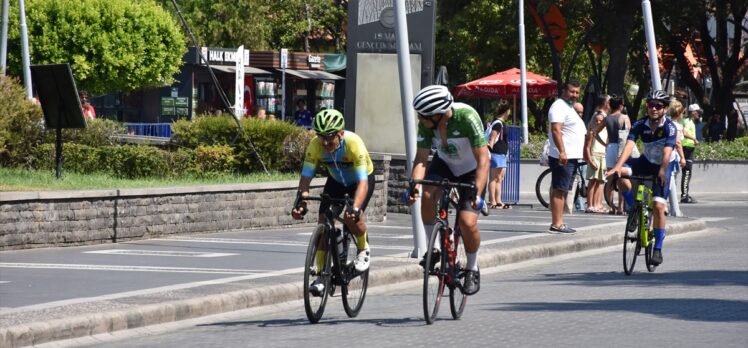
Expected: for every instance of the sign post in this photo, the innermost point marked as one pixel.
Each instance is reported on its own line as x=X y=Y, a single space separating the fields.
x=239 y=84
x=284 y=65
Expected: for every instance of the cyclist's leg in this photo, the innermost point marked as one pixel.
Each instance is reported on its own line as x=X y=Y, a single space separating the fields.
x=468 y=222
x=430 y=196
x=660 y=193
x=358 y=228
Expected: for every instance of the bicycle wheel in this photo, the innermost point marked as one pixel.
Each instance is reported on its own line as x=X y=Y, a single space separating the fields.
x=631 y=243
x=433 y=277
x=543 y=188
x=650 y=246
x=457 y=298
x=355 y=282
x=315 y=305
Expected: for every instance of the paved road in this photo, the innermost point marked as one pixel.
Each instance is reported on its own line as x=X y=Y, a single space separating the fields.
x=699 y=297
x=44 y=278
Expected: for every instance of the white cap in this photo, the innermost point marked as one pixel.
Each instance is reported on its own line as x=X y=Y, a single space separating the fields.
x=695 y=107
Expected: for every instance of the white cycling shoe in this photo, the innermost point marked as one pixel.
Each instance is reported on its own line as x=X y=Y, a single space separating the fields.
x=361 y=262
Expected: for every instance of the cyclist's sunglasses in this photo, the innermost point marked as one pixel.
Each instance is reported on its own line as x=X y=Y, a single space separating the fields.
x=655 y=105
x=327 y=137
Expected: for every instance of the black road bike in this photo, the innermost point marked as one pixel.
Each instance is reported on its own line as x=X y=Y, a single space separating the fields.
x=338 y=269
x=445 y=254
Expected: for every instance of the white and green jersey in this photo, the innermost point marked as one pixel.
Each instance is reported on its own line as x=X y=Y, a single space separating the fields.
x=464 y=132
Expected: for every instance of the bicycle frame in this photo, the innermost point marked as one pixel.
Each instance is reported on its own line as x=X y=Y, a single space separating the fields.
x=442 y=215
x=644 y=197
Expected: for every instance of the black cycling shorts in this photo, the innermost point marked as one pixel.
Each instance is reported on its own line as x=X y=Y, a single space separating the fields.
x=438 y=170
x=337 y=190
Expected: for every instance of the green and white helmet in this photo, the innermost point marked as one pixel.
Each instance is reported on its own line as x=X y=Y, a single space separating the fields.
x=328 y=121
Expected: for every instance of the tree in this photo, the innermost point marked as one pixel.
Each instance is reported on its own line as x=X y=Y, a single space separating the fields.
x=227 y=24
x=111 y=45
x=725 y=59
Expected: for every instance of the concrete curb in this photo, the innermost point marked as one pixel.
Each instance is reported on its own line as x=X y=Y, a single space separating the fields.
x=152 y=314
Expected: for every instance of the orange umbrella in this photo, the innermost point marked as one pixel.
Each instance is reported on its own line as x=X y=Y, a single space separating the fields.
x=507 y=84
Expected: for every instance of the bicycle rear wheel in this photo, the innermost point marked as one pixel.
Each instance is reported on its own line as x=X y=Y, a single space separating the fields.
x=458 y=299
x=543 y=188
x=355 y=282
x=631 y=243
x=315 y=305
x=433 y=277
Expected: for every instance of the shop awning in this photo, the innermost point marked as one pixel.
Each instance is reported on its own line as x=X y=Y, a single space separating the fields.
x=313 y=74
x=247 y=70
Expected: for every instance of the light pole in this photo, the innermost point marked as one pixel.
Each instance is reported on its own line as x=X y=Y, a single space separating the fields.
x=24 y=44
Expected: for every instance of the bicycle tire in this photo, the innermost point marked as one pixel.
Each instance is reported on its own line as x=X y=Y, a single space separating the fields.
x=355 y=283
x=433 y=277
x=543 y=188
x=457 y=298
x=650 y=246
x=314 y=306
x=631 y=242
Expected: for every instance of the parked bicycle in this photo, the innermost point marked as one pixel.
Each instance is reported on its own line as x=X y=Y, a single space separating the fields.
x=543 y=186
x=639 y=234
x=337 y=270
x=445 y=254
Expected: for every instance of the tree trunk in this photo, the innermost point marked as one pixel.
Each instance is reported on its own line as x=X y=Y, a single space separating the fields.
x=618 y=44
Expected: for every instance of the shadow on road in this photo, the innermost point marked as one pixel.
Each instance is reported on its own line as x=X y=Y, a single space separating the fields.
x=691 y=309
x=642 y=278
x=404 y=322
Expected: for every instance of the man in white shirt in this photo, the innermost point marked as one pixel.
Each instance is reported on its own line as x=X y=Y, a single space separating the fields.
x=567 y=135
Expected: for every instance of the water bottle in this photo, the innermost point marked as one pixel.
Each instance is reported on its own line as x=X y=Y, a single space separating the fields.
x=341 y=246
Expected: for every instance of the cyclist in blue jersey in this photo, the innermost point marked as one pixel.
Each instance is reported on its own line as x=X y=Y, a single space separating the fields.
x=456 y=131
x=351 y=171
x=658 y=134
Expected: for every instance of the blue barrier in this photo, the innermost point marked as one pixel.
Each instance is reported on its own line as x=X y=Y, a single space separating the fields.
x=510 y=186
x=162 y=130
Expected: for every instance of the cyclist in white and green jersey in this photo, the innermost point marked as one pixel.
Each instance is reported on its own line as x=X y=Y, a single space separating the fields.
x=456 y=131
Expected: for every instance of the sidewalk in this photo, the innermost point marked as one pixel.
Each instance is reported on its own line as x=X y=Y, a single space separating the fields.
x=102 y=314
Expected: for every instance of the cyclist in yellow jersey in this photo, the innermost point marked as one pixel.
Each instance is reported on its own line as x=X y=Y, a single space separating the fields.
x=344 y=155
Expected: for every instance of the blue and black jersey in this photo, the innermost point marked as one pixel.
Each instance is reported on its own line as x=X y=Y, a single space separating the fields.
x=655 y=141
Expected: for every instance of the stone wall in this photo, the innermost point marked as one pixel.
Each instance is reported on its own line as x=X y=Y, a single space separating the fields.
x=61 y=218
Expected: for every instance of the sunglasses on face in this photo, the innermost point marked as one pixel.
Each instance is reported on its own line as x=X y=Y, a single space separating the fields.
x=656 y=105
x=327 y=137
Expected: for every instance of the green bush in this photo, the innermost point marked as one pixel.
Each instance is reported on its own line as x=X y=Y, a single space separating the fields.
x=267 y=138
x=205 y=130
x=723 y=150
x=294 y=150
x=21 y=125
x=215 y=160
x=98 y=132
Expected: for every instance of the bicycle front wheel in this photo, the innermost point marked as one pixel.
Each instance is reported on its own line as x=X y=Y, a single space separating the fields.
x=650 y=245
x=314 y=303
x=631 y=243
x=543 y=188
x=434 y=274
x=355 y=283
x=458 y=299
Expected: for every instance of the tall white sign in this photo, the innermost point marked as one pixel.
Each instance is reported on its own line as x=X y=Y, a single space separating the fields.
x=239 y=85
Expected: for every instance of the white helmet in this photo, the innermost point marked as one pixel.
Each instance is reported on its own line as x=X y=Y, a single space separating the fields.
x=433 y=100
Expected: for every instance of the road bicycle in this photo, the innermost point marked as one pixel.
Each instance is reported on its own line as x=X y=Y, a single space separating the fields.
x=338 y=269
x=445 y=254
x=639 y=235
x=543 y=185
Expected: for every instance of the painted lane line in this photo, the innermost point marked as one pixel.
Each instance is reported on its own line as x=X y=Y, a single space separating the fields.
x=158 y=253
x=167 y=288
x=85 y=267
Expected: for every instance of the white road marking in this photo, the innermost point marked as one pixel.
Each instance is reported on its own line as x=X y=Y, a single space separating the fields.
x=150 y=291
x=158 y=253
x=234 y=241
x=4 y=281
x=85 y=267
x=714 y=218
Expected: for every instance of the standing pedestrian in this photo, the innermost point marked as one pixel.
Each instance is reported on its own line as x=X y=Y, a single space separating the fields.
x=302 y=116
x=715 y=128
x=689 y=145
x=498 y=146
x=88 y=109
x=594 y=150
x=567 y=136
